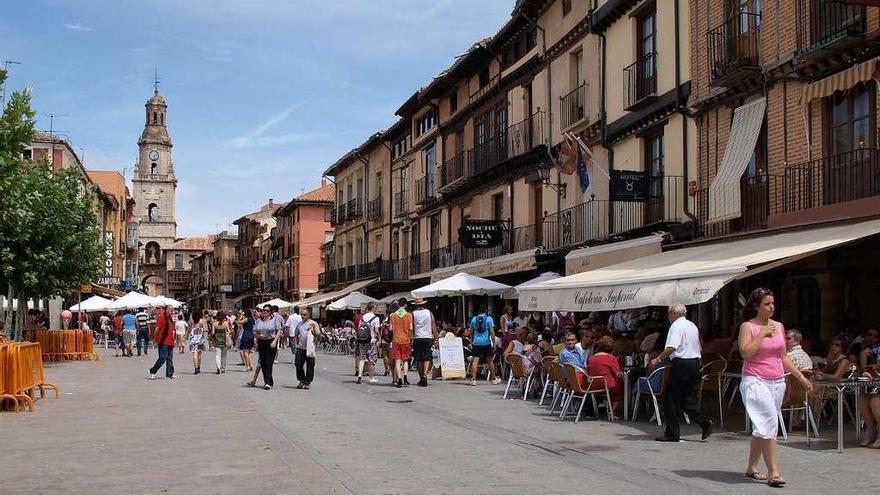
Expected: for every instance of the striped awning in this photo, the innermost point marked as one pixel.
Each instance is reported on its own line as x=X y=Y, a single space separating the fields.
x=724 y=192
x=841 y=81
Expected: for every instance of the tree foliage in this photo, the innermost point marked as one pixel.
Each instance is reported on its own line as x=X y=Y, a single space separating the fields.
x=49 y=235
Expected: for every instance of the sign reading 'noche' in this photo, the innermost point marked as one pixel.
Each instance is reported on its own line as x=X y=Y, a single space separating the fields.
x=480 y=233
x=626 y=296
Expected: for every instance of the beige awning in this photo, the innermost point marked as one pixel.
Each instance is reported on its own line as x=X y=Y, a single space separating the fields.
x=689 y=275
x=324 y=297
x=509 y=263
x=724 y=192
x=591 y=258
x=841 y=81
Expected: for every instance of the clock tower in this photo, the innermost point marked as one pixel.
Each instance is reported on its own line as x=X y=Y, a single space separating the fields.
x=154 y=185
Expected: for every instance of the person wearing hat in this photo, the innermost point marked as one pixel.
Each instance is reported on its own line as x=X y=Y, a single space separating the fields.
x=425 y=333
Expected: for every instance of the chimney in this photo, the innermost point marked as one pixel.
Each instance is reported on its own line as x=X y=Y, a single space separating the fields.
x=323 y=181
x=270 y=202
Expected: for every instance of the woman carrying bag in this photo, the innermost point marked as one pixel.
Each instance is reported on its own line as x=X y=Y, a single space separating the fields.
x=221 y=336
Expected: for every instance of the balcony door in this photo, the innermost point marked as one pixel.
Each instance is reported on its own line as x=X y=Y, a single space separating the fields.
x=647 y=54
x=744 y=17
x=850 y=165
x=654 y=156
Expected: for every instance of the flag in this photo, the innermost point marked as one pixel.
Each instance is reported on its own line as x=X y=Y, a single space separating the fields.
x=583 y=174
x=567 y=157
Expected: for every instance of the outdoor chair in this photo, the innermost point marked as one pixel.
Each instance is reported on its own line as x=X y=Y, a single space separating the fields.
x=710 y=381
x=596 y=386
x=730 y=384
x=518 y=374
x=645 y=384
x=557 y=373
x=796 y=399
x=546 y=364
x=830 y=399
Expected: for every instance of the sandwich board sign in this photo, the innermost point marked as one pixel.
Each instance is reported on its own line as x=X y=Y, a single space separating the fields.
x=451 y=357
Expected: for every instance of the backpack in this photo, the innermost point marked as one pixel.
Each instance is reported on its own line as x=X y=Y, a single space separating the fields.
x=565 y=320
x=364 y=332
x=481 y=324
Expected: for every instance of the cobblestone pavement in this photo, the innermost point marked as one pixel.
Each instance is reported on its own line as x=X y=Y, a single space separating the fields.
x=115 y=431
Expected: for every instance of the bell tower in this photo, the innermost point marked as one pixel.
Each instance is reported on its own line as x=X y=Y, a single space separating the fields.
x=154 y=185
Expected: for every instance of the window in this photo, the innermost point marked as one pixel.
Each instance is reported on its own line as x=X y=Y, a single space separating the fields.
x=154 y=167
x=28 y=154
x=484 y=76
x=401 y=147
x=654 y=155
x=647 y=44
x=453 y=101
x=414 y=238
x=500 y=116
x=155 y=119
x=851 y=118
x=378 y=185
x=178 y=262
x=395 y=245
x=426 y=122
x=430 y=159
x=498 y=207
x=576 y=68
x=153 y=212
x=480 y=130
x=566 y=7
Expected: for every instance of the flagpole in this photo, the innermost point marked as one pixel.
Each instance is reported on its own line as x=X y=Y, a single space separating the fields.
x=587 y=150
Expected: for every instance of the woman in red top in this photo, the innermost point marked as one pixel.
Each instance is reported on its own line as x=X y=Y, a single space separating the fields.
x=604 y=364
x=165 y=340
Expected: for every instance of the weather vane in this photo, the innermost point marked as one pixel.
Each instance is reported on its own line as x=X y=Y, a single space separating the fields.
x=156 y=79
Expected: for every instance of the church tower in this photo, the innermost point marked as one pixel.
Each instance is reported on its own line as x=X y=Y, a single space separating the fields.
x=154 y=185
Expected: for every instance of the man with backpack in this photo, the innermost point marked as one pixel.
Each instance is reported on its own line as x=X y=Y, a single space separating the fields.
x=366 y=336
x=482 y=338
x=425 y=334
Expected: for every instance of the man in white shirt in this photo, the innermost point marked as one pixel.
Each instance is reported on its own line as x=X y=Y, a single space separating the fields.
x=290 y=327
x=365 y=349
x=425 y=334
x=683 y=345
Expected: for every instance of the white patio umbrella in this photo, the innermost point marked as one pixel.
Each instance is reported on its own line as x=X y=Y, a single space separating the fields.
x=94 y=303
x=462 y=284
x=281 y=303
x=354 y=300
x=132 y=300
x=162 y=301
x=514 y=292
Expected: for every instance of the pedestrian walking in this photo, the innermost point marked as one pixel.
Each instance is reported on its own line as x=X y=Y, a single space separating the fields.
x=307 y=331
x=267 y=332
x=366 y=337
x=129 y=332
x=116 y=328
x=290 y=328
x=765 y=362
x=401 y=341
x=683 y=346
x=221 y=336
x=197 y=338
x=180 y=330
x=143 y=330
x=425 y=336
x=483 y=337
x=164 y=337
x=245 y=323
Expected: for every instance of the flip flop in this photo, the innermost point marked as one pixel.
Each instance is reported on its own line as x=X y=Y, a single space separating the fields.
x=757 y=476
x=776 y=482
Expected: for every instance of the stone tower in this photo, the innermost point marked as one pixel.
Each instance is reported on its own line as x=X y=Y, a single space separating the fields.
x=154 y=185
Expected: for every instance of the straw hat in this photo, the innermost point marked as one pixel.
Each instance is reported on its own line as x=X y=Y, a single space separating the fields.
x=419 y=301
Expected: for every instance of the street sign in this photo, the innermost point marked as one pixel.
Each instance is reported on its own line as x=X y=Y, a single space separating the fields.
x=480 y=233
x=628 y=185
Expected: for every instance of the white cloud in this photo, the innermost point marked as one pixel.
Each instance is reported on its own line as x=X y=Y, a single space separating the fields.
x=79 y=28
x=257 y=139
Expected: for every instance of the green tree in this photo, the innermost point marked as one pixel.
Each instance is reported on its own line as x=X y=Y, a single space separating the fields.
x=49 y=235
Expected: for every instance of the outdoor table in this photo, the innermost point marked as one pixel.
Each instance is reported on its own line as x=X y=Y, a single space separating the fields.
x=841 y=386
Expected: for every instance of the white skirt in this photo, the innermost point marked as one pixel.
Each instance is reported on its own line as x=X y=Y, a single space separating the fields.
x=763 y=401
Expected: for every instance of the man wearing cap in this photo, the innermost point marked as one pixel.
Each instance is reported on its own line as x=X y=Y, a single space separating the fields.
x=425 y=333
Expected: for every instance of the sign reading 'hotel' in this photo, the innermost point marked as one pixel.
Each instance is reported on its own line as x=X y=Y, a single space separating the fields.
x=480 y=233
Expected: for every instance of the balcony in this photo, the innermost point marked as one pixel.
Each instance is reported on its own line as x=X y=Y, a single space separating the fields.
x=829 y=25
x=640 y=81
x=341 y=213
x=734 y=49
x=348 y=274
x=598 y=220
x=333 y=217
x=401 y=203
x=757 y=194
x=573 y=106
x=354 y=209
x=424 y=190
x=374 y=209
x=394 y=270
x=510 y=142
x=841 y=178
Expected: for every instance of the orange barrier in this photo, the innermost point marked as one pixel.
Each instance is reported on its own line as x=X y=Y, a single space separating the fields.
x=21 y=374
x=65 y=345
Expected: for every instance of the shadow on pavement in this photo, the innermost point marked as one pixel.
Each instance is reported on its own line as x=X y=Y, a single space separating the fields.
x=732 y=477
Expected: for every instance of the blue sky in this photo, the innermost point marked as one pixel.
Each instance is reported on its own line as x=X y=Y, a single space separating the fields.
x=263 y=95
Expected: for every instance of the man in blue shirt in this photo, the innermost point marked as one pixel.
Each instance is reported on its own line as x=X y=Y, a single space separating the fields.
x=482 y=340
x=572 y=354
x=129 y=330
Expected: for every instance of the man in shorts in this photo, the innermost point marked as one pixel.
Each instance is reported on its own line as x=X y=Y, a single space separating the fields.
x=425 y=334
x=401 y=338
x=129 y=331
x=143 y=330
x=482 y=338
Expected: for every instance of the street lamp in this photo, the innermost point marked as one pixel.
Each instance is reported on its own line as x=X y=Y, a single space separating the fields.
x=544 y=168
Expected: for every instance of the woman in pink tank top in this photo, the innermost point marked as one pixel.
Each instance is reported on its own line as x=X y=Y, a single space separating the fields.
x=762 y=346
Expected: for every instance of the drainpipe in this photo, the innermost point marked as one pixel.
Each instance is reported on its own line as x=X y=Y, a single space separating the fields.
x=390 y=217
x=682 y=110
x=602 y=115
x=548 y=135
x=366 y=244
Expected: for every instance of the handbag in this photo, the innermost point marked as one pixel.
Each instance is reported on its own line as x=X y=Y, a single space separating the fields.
x=228 y=340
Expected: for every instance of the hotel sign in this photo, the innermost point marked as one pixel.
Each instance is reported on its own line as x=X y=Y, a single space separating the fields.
x=480 y=233
x=628 y=185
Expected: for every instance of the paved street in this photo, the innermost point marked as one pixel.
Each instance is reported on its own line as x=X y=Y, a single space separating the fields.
x=114 y=431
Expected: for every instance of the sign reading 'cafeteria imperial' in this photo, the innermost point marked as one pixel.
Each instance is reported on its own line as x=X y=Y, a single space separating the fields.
x=480 y=233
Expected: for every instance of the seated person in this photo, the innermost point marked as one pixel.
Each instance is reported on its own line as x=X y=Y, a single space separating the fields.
x=532 y=353
x=515 y=346
x=604 y=364
x=836 y=366
x=586 y=343
x=571 y=354
x=795 y=352
x=869 y=363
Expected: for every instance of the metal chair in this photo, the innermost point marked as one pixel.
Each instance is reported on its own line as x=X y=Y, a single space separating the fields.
x=596 y=385
x=518 y=374
x=710 y=381
x=557 y=374
x=546 y=363
x=645 y=383
x=797 y=399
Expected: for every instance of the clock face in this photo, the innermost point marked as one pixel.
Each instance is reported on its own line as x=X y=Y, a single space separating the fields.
x=154 y=155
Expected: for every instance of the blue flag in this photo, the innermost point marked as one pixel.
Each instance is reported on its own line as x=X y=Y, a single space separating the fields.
x=583 y=174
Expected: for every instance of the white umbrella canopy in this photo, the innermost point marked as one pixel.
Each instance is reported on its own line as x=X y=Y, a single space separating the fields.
x=514 y=292
x=162 y=301
x=354 y=300
x=94 y=303
x=132 y=300
x=461 y=284
x=281 y=303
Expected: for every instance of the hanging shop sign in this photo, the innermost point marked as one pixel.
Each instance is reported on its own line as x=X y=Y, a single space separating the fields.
x=480 y=233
